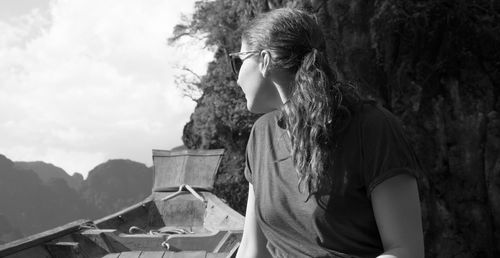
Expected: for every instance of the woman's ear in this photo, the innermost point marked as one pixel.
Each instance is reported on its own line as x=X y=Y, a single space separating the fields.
x=265 y=56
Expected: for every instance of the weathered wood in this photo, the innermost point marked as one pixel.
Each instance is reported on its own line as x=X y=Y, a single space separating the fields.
x=187 y=254
x=64 y=250
x=216 y=255
x=152 y=254
x=40 y=238
x=88 y=246
x=195 y=242
x=219 y=216
x=35 y=251
x=113 y=244
x=145 y=242
x=98 y=238
x=114 y=241
x=144 y=215
x=132 y=254
x=199 y=152
x=230 y=240
x=234 y=250
x=183 y=210
x=194 y=168
x=222 y=242
x=112 y=255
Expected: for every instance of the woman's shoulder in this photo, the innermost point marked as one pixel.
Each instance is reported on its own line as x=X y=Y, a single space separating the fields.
x=372 y=114
x=267 y=120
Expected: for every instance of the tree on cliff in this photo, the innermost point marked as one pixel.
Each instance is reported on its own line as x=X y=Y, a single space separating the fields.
x=435 y=64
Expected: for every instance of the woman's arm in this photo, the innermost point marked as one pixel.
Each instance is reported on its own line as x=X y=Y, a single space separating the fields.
x=396 y=207
x=253 y=242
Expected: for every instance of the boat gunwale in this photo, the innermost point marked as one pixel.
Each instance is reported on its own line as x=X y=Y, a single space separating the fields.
x=188 y=152
x=42 y=237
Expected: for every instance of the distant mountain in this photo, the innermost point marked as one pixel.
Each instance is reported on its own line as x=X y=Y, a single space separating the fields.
x=116 y=184
x=7 y=231
x=36 y=196
x=48 y=172
x=31 y=206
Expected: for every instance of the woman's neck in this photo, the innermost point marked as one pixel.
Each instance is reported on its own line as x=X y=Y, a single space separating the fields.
x=283 y=81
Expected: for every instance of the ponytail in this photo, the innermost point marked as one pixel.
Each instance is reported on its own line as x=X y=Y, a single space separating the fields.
x=313 y=114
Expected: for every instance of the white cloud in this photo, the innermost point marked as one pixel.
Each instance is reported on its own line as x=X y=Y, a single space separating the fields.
x=96 y=83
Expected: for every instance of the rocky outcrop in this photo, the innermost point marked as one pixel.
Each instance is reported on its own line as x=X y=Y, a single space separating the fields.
x=31 y=206
x=116 y=184
x=436 y=68
x=48 y=172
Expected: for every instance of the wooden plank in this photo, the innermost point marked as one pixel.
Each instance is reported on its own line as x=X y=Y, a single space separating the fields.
x=196 y=168
x=195 y=242
x=220 y=216
x=112 y=255
x=186 y=254
x=143 y=215
x=134 y=215
x=168 y=153
x=152 y=254
x=132 y=254
x=217 y=255
x=232 y=253
x=183 y=211
x=97 y=237
x=118 y=242
x=233 y=239
x=89 y=247
x=40 y=238
x=36 y=251
x=221 y=242
x=64 y=250
x=113 y=244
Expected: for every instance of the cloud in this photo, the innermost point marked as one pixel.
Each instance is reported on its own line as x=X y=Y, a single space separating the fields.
x=94 y=81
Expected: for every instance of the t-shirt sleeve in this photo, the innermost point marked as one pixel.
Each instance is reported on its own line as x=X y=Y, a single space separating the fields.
x=249 y=157
x=386 y=150
x=248 y=170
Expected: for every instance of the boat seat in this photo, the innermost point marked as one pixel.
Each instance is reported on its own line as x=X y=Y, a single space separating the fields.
x=195 y=242
x=114 y=241
x=166 y=254
x=167 y=230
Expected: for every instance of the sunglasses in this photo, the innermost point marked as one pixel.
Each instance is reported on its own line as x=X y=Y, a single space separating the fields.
x=237 y=61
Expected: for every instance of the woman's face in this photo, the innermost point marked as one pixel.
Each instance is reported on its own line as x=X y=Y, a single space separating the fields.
x=260 y=93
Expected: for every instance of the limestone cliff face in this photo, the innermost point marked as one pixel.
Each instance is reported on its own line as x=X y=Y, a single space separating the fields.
x=29 y=206
x=435 y=65
x=49 y=172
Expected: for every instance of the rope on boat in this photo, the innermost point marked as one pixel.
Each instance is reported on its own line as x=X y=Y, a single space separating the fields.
x=136 y=229
x=165 y=245
x=88 y=225
x=189 y=188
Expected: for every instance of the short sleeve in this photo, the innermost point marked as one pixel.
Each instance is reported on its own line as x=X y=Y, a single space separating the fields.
x=249 y=156
x=386 y=151
x=248 y=170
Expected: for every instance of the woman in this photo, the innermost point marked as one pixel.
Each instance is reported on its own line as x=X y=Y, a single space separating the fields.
x=330 y=175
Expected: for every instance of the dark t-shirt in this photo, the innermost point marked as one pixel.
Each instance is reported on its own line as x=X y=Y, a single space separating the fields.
x=372 y=149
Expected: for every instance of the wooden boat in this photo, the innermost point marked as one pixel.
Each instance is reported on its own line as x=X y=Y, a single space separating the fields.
x=181 y=218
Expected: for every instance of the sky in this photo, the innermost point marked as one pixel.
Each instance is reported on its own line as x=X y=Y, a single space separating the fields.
x=85 y=81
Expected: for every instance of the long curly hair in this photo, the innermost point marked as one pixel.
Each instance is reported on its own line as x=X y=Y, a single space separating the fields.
x=320 y=106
